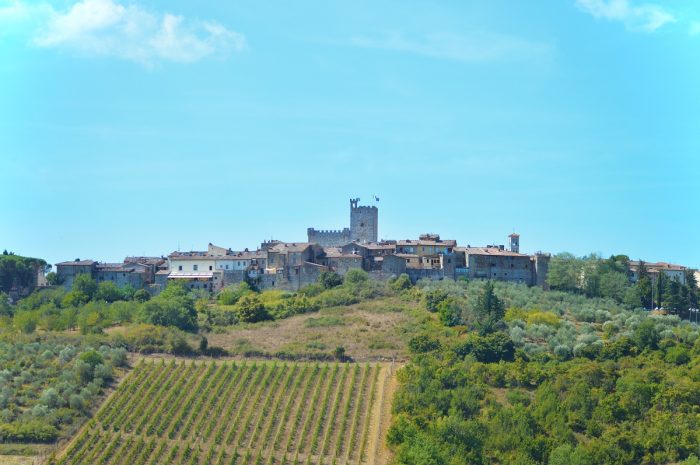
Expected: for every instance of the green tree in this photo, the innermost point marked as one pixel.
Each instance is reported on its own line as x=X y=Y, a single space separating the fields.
x=614 y=284
x=356 y=276
x=434 y=298
x=108 y=291
x=172 y=307
x=26 y=321
x=489 y=309
x=250 y=309
x=401 y=283
x=5 y=307
x=329 y=279
x=423 y=343
x=564 y=272
x=53 y=279
x=230 y=294
x=142 y=295
x=646 y=336
x=84 y=284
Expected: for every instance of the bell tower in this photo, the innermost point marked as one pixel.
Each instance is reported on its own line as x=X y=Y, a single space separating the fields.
x=514 y=242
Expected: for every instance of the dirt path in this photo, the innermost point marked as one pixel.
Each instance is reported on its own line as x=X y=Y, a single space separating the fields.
x=378 y=452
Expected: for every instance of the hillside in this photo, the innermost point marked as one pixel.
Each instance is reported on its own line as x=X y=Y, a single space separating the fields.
x=182 y=412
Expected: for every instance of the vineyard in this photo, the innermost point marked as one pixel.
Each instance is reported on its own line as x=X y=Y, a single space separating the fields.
x=237 y=413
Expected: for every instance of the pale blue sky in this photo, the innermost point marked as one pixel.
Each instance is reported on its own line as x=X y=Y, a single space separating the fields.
x=132 y=127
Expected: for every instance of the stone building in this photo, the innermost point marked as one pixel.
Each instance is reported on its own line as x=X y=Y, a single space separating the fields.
x=340 y=261
x=122 y=274
x=364 y=227
x=372 y=253
x=152 y=266
x=670 y=270
x=497 y=263
x=67 y=271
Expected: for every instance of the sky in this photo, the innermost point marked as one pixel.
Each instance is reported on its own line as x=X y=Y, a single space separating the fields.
x=143 y=127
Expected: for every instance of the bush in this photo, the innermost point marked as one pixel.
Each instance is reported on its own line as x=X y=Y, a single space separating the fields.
x=177 y=311
x=108 y=291
x=490 y=348
x=402 y=283
x=231 y=294
x=142 y=295
x=356 y=276
x=677 y=355
x=33 y=431
x=147 y=339
x=646 y=336
x=423 y=343
x=250 y=309
x=330 y=279
x=434 y=298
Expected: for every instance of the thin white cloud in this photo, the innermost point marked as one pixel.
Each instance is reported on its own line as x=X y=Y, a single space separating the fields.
x=647 y=17
x=476 y=47
x=126 y=31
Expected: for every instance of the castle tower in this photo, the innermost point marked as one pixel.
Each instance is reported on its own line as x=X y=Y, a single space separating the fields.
x=364 y=222
x=515 y=243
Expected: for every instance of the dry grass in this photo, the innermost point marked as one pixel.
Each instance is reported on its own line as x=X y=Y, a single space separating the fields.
x=369 y=331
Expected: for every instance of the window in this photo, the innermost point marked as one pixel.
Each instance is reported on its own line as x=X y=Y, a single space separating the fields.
x=179 y=268
x=209 y=267
x=195 y=267
x=227 y=267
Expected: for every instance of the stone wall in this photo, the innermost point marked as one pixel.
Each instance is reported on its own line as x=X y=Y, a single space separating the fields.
x=328 y=238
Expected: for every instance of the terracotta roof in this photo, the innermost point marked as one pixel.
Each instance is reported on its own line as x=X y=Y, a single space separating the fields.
x=658 y=266
x=514 y=235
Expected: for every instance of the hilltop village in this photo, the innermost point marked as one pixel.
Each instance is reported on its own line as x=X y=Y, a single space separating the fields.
x=293 y=265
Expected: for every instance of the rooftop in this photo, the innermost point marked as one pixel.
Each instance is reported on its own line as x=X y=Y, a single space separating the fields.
x=284 y=247
x=490 y=251
x=446 y=242
x=77 y=262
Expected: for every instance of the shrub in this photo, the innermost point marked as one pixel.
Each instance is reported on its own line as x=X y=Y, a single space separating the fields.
x=142 y=295
x=250 y=309
x=356 y=276
x=330 y=279
x=423 y=343
x=490 y=348
x=434 y=298
x=677 y=355
x=646 y=336
x=402 y=283
x=231 y=294
x=33 y=431
x=175 y=311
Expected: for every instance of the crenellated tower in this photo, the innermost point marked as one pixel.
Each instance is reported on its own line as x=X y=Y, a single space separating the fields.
x=364 y=222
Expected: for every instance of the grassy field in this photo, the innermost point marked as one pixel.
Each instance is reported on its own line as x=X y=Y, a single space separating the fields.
x=369 y=331
x=256 y=413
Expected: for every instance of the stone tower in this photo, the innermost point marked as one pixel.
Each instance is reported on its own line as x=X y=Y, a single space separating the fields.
x=515 y=243
x=364 y=222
